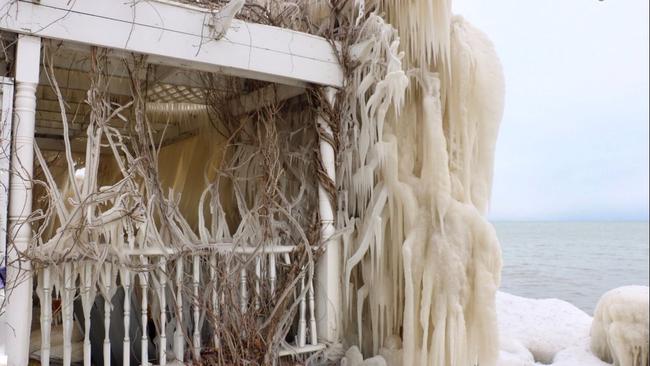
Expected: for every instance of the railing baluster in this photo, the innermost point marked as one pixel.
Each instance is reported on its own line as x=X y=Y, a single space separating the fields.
x=258 y=275
x=196 y=277
x=215 y=295
x=107 y=274
x=46 y=317
x=302 y=322
x=87 y=300
x=163 y=312
x=312 y=315
x=272 y=272
x=178 y=333
x=126 y=344
x=66 y=309
x=243 y=290
x=144 y=342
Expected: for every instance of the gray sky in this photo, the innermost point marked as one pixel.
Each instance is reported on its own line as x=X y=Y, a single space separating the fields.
x=573 y=144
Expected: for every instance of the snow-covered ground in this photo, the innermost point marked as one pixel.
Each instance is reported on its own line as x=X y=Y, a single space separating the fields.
x=543 y=332
x=532 y=332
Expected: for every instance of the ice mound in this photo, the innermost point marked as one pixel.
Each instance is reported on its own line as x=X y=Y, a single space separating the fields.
x=543 y=332
x=543 y=327
x=353 y=357
x=619 y=333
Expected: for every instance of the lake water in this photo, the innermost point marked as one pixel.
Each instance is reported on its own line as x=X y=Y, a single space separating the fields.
x=572 y=261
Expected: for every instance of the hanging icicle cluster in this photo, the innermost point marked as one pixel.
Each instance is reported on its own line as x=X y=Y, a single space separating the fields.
x=422 y=263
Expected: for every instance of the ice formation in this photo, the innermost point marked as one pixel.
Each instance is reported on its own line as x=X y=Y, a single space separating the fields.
x=619 y=333
x=423 y=262
x=353 y=357
x=416 y=146
x=543 y=332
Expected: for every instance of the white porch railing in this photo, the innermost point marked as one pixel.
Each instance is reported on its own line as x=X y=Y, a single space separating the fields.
x=175 y=295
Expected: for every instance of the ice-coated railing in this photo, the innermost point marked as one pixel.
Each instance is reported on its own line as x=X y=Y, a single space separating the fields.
x=166 y=292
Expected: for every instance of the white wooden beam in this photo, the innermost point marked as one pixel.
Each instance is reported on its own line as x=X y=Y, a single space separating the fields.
x=176 y=35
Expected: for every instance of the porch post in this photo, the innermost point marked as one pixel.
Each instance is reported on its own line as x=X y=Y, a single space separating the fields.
x=19 y=279
x=7 y=85
x=328 y=268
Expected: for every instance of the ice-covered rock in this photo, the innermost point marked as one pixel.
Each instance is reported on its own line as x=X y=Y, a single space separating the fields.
x=578 y=355
x=513 y=353
x=619 y=333
x=543 y=332
x=543 y=327
x=353 y=357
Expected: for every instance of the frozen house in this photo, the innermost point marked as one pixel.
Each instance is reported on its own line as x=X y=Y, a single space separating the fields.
x=259 y=182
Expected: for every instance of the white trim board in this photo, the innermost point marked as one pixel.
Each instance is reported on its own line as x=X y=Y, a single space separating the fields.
x=179 y=36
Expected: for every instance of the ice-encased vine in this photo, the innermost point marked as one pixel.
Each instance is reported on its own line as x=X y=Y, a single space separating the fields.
x=422 y=262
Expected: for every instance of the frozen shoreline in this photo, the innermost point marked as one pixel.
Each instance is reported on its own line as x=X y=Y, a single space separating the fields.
x=543 y=332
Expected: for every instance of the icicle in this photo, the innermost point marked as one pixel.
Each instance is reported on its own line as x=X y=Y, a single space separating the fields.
x=429 y=260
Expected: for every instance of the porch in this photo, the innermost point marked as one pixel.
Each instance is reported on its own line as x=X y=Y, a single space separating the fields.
x=121 y=296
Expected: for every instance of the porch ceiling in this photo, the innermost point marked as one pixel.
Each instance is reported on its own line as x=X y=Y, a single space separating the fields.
x=168 y=88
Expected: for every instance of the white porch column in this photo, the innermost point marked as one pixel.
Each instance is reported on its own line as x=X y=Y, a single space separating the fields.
x=19 y=294
x=7 y=85
x=328 y=268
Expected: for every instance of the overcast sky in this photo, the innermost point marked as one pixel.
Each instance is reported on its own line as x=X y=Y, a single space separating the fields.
x=573 y=144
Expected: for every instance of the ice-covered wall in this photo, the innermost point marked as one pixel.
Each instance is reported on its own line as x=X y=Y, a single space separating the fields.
x=422 y=262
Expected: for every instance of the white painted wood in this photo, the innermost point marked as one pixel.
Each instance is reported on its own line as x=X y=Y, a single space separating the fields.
x=243 y=290
x=258 y=277
x=306 y=349
x=287 y=258
x=144 y=304
x=178 y=36
x=69 y=290
x=196 y=278
x=87 y=300
x=215 y=294
x=106 y=277
x=46 y=316
x=16 y=329
x=179 y=343
x=214 y=247
x=328 y=268
x=162 y=296
x=6 y=114
x=302 y=321
x=272 y=273
x=313 y=331
x=125 y=277
x=6 y=117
